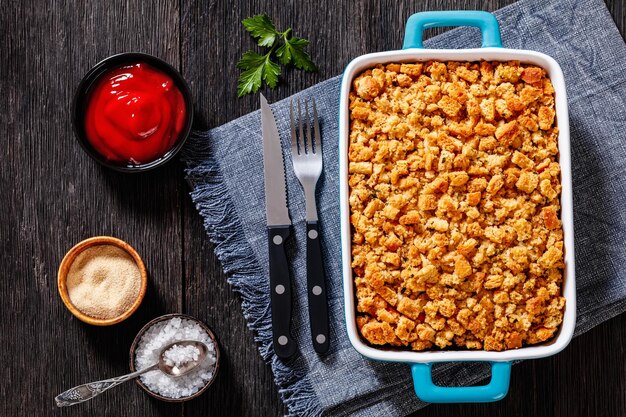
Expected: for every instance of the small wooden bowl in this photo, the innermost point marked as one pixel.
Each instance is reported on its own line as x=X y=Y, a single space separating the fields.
x=133 y=349
x=67 y=261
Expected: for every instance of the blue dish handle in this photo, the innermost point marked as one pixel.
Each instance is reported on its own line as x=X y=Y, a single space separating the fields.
x=495 y=390
x=485 y=21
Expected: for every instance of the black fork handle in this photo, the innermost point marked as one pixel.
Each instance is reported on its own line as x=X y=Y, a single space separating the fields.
x=316 y=289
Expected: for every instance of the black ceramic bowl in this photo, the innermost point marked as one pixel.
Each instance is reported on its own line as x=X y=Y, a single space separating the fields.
x=82 y=96
x=144 y=329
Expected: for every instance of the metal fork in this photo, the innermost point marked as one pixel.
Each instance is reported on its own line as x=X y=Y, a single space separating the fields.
x=306 y=153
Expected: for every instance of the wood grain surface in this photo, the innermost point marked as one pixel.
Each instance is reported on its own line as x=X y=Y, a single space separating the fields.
x=53 y=196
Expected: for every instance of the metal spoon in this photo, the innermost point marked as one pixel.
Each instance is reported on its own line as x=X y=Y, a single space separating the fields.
x=87 y=391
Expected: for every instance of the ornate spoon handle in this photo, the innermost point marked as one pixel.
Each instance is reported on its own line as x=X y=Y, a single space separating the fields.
x=85 y=392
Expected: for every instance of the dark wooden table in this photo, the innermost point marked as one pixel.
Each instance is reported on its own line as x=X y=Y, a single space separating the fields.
x=53 y=196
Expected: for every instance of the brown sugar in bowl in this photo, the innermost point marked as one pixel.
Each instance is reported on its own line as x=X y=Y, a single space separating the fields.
x=67 y=262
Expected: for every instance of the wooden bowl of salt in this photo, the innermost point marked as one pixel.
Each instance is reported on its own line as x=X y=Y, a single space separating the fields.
x=102 y=280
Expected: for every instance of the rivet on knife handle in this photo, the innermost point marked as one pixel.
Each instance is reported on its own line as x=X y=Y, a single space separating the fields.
x=316 y=286
x=280 y=288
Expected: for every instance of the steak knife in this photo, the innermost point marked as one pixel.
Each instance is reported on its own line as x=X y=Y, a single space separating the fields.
x=278 y=225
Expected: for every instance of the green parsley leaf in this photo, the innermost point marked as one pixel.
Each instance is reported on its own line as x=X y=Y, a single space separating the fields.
x=271 y=72
x=292 y=52
x=261 y=27
x=256 y=69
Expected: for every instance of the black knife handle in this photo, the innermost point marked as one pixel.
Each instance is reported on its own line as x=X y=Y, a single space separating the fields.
x=316 y=289
x=280 y=288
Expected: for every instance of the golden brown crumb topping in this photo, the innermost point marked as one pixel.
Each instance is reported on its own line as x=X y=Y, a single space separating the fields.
x=454 y=197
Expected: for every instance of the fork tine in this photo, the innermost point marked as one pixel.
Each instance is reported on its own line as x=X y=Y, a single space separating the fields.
x=316 y=128
x=309 y=130
x=301 y=129
x=294 y=139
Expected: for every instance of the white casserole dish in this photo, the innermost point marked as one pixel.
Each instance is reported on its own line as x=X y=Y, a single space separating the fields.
x=421 y=362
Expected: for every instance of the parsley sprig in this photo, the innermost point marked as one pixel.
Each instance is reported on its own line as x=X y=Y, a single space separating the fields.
x=257 y=68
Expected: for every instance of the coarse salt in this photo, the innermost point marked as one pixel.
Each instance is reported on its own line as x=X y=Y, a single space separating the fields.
x=165 y=333
x=179 y=355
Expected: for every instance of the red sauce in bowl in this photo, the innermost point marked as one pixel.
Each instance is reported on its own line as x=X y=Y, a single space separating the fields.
x=135 y=114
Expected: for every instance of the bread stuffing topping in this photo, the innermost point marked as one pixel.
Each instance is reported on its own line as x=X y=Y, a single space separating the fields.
x=454 y=199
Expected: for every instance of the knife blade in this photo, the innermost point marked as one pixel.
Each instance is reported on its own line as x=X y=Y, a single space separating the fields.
x=278 y=226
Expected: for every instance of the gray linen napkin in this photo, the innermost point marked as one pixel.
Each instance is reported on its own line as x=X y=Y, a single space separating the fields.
x=225 y=170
